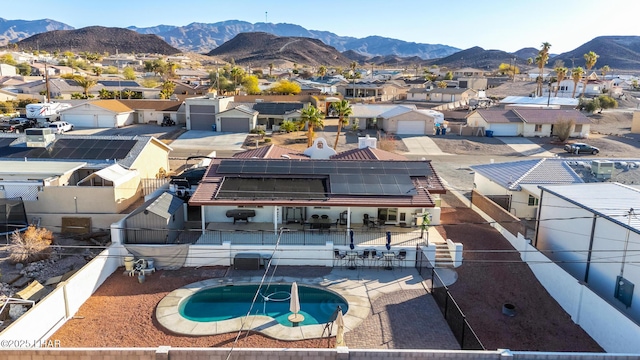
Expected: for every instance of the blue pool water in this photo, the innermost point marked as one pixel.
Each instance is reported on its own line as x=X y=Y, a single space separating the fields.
x=234 y=301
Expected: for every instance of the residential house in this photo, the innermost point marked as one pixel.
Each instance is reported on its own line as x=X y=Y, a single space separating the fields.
x=372 y=91
x=272 y=114
x=282 y=191
x=153 y=111
x=594 y=87
x=419 y=93
x=514 y=185
x=450 y=95
x=190 y=88
x=528 y=122
x=475 y=83
x=397 y=119
x=7 y=70
x=7 y=95
x=201 y=111
x=99 y=114
x=325 y=86
x=78 y=176
x=238 y=119
x=593 y=232
x=468 y=72
x=540 y=102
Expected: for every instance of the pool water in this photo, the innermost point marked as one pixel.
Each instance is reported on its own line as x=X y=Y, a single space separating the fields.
x=234 y=301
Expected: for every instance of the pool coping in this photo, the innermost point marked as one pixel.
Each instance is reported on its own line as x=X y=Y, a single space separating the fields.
x=357 y=292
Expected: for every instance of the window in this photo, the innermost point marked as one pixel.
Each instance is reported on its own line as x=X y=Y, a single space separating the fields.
x=578 y=128
x=538 y=128
x=533 y=201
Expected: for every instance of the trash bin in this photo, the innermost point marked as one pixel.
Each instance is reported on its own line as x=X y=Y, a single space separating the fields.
x=213 y=127
x=444 y=131
x=489 y=133
x=438 y=130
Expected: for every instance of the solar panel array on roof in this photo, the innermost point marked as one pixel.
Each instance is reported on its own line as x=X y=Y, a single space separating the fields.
x=77 y=149
x=323 y=167
x=269 y=188
x=345 y=177
x=276 y=108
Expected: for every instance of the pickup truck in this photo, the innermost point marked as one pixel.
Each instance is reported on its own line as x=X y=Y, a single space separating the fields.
x=16 y=125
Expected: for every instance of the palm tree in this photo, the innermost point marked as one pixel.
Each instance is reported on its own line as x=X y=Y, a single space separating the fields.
x=343 y=108
x=322 y=71
x=590 y=59
x=85 y=83
x=561 y=73
x=441 y=84
x=529 y=61
x=353 y=66
x=314 y=119
x=576 y=75
x=105 y=94
x=235 y=72
x=270 y=69
x=541 y=60
x=605 y=69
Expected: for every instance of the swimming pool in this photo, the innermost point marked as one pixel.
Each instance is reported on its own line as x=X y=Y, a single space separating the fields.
x=233 y=301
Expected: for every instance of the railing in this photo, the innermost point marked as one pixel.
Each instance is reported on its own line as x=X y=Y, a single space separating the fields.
x=456 y=319
x=290 y=237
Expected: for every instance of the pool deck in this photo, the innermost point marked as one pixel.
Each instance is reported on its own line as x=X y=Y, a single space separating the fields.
x=359 y=287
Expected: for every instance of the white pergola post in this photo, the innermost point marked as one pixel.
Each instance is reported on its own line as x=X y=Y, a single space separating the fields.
x=204 y=220
x=275 y=220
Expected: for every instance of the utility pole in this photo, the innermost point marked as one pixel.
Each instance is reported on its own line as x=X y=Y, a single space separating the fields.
x=47 y=96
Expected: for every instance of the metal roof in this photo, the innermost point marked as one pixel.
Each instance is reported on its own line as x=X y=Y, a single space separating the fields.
x=39 y=169
x=164 y=205
x=511 y=175
x=610 y=200
x=541 y=100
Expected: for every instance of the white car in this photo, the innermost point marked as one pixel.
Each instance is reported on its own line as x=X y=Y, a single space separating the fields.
x=60 y=126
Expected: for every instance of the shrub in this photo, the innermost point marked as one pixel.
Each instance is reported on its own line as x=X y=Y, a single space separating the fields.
x=562 y=128
x=387 y=142
x=288 y=126
x=32 y=245
x=267 y=140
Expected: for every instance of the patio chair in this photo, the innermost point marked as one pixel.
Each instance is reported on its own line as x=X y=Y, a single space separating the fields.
x=339 y=257
x=315 y=216
x=376 y=256
x=364 y=256
x=401 y=257
x=324 y=216
x=365 y=220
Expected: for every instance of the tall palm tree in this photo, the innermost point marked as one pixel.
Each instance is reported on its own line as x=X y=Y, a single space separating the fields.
x=235 y=72
x=353 y=66
x=343 y=108
x=561 y=73
x=314 y=119
x=576 y=75
x=441 y=84
x=270 y=69
x=85 y=83
x=541 y=61
x=590 y=59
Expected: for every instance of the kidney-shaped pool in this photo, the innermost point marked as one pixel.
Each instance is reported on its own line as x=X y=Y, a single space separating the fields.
x=234 y=301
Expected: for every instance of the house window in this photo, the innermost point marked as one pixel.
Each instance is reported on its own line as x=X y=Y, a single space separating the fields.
x=538 y=128
x=533 y=201
x=578 y=128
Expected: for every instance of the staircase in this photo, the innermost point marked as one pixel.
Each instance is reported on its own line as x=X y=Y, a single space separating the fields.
x=443 y=257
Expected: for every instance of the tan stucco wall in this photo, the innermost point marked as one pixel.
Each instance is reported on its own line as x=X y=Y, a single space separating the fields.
x=528 y=130
x=127 y=193
x=476 y=120
x=635 y=124
x=60 y=199
x=152 y=158
x=391 y=124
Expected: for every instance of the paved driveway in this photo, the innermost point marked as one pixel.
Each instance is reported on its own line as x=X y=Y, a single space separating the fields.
x=209 y=140
x=421 y=145
x=526 y=147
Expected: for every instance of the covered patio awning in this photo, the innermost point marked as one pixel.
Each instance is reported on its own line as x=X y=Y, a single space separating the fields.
x=116 y=174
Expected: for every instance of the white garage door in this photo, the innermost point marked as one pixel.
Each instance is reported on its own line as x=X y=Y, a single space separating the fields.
x=504 y=129
x=106 y=121
x=79 y=121
x=410 y=127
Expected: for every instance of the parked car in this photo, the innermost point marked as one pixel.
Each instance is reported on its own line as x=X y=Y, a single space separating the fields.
x=16 y=125
x=581 y=148
x=60 y=126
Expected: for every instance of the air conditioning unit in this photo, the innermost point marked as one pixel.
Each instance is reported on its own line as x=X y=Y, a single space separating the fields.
x=39 y=137
x=602 y=169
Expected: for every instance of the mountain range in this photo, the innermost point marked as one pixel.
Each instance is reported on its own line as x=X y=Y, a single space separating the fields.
x=618 y=52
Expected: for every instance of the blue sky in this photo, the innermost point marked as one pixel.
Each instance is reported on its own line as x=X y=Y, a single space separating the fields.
x=490 y=24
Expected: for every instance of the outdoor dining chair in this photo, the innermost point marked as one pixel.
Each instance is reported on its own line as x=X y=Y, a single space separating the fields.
x=339 y=257
x=401 y=257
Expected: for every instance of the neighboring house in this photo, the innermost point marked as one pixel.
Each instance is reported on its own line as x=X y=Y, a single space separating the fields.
x=154 y=110
x=475 y=83
x=594 y=87
x=99 y=114
x=162 y=217
x=528 y=122
x=418 y=94
x=593 y=232
x=278 y=191
x=238 y=119
x=514 y=185
x=398 y=119
x=8 y=70
x=324 y=86
x=272 y=114
x=373 y=91
x=79 y=176
x=540 y=102
x=190 y=88
x=7 y=95
x=201 y=111
x=467 y=72
x=450 y=95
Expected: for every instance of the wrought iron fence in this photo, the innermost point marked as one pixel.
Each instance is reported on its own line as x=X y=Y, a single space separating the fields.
x=454 y=316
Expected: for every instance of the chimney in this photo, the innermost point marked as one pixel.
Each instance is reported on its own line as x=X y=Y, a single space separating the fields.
x=365 y=142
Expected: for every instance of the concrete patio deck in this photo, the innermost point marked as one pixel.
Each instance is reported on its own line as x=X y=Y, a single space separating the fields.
x=359 y=287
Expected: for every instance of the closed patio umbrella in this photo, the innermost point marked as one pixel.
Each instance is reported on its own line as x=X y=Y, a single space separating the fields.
x=351 y=245
x=388 y=240
x=294 y=306
x=340 y=330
